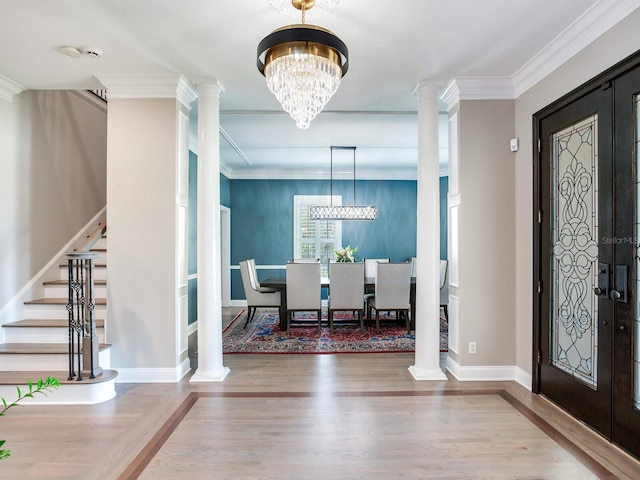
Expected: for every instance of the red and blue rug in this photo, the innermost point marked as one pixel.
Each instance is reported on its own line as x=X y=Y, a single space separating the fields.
x=263 y=335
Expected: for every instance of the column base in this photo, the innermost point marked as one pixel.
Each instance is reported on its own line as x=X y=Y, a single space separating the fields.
x=424 y=374
x=208 y=377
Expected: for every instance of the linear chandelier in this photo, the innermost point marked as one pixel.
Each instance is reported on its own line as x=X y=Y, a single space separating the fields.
x=303 y=65
x=353 y=212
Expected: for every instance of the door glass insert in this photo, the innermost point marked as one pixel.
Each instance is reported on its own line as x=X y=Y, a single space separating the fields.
x=574 y=225
x=636 y=342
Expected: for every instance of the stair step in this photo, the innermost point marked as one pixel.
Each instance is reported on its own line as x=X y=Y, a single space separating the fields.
x=41 y=348
x=44 y=322
x=23 y=377
x=60 y=301
x=89 y=391
x=66 y=283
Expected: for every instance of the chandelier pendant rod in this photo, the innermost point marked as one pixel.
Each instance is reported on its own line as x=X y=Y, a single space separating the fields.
x=354 y=177
x=331 y=177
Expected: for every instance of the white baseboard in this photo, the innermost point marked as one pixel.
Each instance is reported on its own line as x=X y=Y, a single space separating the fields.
x=524 y=379
x=485 y=373
x=153 y=375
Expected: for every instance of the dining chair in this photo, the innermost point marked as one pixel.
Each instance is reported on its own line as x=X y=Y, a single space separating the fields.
x=371 y=266
x=303 y=290
x=253 y=271
x=370 y=271
x=346 y=288
x=257 y=296
x=392 y=291
x=444 y=287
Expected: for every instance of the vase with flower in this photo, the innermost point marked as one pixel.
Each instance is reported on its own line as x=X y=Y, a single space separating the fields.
x=346 y=254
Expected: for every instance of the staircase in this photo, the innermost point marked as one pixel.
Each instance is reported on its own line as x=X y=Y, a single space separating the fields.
x=37 y=345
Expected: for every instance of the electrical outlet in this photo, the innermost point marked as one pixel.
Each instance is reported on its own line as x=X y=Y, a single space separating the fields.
x=472 y=347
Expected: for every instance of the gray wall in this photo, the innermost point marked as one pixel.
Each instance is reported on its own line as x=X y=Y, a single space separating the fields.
x=52 y=178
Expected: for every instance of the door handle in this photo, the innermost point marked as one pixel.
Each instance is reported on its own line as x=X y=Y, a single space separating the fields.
x=603 y=280
x=619 y=293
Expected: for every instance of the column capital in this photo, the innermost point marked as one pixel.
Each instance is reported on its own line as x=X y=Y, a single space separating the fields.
x=209 y=86
x=149 y=86
x=427 y=89
x=9 y=89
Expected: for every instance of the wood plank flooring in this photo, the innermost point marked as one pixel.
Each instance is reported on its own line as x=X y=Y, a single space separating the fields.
x=310 y=417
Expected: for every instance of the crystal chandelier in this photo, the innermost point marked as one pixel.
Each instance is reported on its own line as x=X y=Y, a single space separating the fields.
x=303 y=65
x=353 y=212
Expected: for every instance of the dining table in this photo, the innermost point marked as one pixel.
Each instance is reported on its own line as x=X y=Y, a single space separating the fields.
x=280 y=283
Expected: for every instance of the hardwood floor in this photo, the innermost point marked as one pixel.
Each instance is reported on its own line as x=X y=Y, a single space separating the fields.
x=310 y=417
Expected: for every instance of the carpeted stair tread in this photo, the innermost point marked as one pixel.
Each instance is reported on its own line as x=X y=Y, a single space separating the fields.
x=40 y=348
x=46 y=322
x=66 y=283
x=60 y=301
x=23 y=377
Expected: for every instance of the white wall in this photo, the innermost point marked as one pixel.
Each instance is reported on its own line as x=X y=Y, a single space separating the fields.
x=52 y=179
x=612 y=47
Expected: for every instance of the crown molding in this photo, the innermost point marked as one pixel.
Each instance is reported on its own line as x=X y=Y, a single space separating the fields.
x=301 y=174
x=602 y=16
x=477 y=88
x=149 y=86
x=9 y=89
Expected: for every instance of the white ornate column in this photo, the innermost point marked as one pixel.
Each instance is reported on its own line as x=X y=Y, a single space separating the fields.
x=210 y=365
x=427 y=321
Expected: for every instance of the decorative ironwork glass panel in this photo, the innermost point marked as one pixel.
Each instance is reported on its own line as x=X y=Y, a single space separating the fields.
x=574 y=230
x=636 y=336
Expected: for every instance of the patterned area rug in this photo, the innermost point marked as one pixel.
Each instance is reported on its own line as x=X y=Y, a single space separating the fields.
x=263 y=335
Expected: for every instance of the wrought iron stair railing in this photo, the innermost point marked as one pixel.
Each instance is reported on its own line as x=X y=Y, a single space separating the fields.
x=83 y=338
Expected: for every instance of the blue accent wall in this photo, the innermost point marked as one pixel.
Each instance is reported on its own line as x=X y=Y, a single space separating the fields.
x=225 y=191
x=192 y=235
x=192 y=228
x=262 y=220
x=444 y=209
x=192 y=231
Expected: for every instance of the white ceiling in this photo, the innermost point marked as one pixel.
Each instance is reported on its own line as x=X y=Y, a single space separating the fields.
x=392 y=44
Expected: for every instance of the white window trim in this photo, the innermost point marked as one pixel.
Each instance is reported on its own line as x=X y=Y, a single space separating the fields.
x=299 y=200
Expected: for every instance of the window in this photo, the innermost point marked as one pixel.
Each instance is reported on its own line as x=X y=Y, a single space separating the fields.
x=315 y=238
